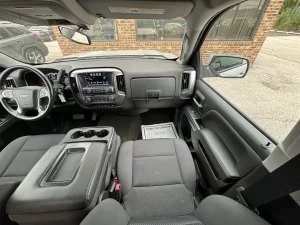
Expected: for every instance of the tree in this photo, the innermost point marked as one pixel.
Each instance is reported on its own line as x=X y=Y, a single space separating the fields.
x=289 y=16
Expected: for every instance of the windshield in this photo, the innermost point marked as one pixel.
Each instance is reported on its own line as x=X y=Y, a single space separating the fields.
x=150 y=38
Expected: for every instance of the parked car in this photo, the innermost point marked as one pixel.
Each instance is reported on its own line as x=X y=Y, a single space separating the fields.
x=44 y=32
x=146 y=30
x=173 y=30
x=108 y=29
x=20 y=43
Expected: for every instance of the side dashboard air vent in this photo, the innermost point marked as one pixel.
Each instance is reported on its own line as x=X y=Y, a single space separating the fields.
x=188 y=83
x=185 y=81
x=10 y=83
x=121 y=83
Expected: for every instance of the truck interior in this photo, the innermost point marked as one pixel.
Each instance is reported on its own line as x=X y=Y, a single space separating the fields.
x=135 y=138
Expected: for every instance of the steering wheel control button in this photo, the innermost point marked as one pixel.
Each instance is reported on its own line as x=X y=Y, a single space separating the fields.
x=7 y=94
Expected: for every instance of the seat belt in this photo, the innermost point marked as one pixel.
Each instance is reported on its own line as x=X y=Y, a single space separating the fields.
x=279 y=183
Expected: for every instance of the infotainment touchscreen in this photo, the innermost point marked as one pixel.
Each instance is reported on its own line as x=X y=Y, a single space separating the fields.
x=98 y=79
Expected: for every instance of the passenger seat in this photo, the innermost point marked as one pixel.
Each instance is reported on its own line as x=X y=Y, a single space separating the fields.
x=158 y=184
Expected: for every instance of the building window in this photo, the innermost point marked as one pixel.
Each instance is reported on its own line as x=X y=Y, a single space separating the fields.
x=156 y=30
x=239 y=23
x=103 y=30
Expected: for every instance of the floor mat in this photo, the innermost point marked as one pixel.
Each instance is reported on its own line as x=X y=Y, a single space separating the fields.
x=155 y=116
x=127 y=127
x=162 y=130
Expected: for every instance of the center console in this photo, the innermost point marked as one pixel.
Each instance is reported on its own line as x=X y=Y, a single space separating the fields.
x=98 y=87
x=68 y=180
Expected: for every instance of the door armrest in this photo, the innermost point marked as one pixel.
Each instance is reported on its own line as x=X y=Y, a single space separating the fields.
x=219 y=156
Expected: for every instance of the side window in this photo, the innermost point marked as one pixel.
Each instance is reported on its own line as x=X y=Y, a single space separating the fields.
x=3 y=34
x=15 y=31
x=269 y=93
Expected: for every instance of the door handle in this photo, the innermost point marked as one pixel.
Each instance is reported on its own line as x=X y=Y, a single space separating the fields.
x=15 y=42
x=199 y=99
x=199 y=105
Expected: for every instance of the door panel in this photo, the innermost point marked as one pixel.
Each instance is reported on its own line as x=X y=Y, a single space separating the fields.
x=227 y=145
x=249 y=132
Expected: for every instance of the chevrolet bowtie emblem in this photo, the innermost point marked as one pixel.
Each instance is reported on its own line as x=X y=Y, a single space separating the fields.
x=24 y=96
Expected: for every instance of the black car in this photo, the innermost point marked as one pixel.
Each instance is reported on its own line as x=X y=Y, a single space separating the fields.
x=20 y=43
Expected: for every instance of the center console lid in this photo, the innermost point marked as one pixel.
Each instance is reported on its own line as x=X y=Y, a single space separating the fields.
x=66 y=182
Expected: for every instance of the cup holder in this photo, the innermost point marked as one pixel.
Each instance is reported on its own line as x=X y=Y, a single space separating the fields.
x=89 y=134
x=102 y=133
x=77 y=134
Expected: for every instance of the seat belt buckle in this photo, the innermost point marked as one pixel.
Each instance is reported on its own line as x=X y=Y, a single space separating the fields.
x=118 y=187
x=117 y=192
x=112 y=184
x=115 y=189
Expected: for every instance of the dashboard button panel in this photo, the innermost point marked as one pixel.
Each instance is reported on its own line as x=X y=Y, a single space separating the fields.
x=101 y=94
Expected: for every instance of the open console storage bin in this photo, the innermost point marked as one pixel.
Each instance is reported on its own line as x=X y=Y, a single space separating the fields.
x=67 y=181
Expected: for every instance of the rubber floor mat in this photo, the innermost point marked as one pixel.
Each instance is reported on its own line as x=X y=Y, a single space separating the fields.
x=127 y=127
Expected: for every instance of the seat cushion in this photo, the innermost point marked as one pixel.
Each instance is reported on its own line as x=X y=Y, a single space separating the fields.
x=157 y=178
x=17 y=158
x=179 y=220
x=213 y=210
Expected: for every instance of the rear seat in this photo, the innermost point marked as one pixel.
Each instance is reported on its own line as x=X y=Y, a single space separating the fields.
x=158 y=183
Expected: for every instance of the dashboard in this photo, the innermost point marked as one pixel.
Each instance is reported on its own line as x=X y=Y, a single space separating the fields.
x=115 y=84
x=31 y=79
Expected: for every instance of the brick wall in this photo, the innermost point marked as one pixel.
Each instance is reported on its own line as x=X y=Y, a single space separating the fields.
x=127 y=39
x=246 y=48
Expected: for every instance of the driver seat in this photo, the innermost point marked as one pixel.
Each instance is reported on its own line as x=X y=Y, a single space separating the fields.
x=17 y=159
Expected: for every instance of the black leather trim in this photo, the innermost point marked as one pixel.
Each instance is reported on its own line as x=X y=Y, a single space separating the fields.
x=223 y=162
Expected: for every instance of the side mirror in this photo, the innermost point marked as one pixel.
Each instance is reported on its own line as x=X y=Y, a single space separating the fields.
x=228 y=66
x=74 y=35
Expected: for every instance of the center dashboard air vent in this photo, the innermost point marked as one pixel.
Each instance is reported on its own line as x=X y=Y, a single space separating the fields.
x=10 y=83
x=120 y=83
x=188 y=80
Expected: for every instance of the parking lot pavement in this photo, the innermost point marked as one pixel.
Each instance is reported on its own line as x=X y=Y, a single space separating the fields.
x=270 y=92
x=54 y=51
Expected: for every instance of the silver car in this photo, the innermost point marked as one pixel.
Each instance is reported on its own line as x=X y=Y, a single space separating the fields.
x=21 y=44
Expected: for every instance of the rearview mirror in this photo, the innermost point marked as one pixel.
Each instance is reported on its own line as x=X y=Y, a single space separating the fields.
x=75 y=35
x=229 y=66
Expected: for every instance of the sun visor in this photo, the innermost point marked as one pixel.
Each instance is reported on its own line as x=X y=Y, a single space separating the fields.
x=130 y=9
x=45 y=12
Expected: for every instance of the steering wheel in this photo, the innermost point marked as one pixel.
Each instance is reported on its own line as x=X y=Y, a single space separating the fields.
x=27 y=97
